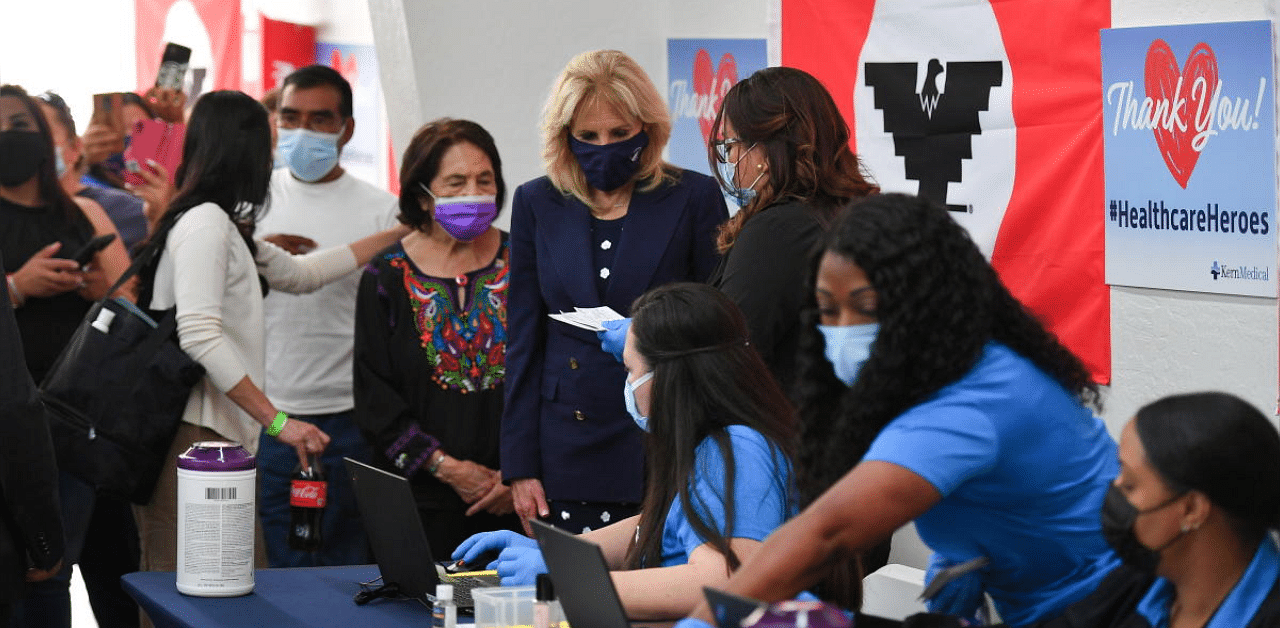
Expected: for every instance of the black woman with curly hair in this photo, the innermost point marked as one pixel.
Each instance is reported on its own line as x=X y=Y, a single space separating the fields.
x=930 y=394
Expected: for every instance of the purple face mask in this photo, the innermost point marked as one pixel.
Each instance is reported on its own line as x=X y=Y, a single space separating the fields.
x=465 y=217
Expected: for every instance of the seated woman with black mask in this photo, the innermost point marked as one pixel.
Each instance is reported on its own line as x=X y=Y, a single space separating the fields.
x=1192 y=515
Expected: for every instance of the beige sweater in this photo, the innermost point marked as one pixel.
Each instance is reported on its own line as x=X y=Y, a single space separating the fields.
x=207 y=273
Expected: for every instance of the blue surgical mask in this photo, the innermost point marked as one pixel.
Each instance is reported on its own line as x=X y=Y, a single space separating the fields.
x=309 y=154
x=848 y=348
x=729 y=170
x=629 y=396
x=59 y=164
x=609 y=166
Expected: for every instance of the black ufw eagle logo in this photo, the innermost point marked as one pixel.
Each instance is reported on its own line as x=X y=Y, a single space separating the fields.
x=933 y=131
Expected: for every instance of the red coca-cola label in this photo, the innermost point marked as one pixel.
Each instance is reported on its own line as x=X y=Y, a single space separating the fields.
x=308 y=494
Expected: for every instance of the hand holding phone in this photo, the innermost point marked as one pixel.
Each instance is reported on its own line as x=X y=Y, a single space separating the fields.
x=153 y=141
x=104 y=136
x=173 y=66
x=86 y=253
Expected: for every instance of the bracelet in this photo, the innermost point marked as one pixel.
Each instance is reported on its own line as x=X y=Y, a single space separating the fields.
x=277 y=425
x=18 y=298
x=435 y=466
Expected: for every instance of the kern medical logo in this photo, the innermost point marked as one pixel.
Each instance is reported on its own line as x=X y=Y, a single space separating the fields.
x=1246 y=273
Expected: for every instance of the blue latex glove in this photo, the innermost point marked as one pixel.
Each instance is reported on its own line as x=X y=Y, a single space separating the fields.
x=478 y=544
x=692 y=622
x=519 y=566
x=614 y=336
x=961 y=597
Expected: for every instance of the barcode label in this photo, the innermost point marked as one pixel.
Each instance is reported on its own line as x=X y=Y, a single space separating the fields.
x=222 y=493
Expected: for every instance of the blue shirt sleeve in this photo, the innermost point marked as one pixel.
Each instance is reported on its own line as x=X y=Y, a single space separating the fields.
x=760 y=496
x=943 y=442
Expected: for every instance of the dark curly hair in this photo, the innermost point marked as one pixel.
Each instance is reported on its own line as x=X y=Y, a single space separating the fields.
x=706 y=377
x=791 y=117
x=938 y=304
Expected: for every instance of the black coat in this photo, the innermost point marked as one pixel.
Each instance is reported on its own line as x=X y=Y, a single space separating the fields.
x=30 y=526
x=564 y=421
x=765 y=273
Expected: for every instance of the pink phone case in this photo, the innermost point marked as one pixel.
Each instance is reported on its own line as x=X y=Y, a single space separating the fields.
x=158 y=141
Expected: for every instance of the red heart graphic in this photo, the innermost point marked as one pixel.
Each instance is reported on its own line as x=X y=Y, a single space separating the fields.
x=1162 y=76
x=709 y=90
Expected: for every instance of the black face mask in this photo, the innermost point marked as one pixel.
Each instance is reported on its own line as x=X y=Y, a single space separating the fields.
x=1118 y=517
x=21 y=155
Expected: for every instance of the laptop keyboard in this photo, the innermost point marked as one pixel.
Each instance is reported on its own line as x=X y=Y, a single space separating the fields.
x=462 y=586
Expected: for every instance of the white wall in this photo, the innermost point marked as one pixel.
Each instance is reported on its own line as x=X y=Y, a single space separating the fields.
x=493 y=61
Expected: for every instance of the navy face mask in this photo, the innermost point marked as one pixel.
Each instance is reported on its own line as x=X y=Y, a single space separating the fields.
x=609 y=166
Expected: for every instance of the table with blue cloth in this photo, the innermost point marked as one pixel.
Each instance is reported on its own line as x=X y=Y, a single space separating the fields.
x=282 y=598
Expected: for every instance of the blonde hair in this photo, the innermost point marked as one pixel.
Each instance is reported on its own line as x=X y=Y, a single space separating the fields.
x=611 y=77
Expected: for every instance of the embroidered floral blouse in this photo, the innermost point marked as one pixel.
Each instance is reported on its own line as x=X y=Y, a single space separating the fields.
x=429 y=365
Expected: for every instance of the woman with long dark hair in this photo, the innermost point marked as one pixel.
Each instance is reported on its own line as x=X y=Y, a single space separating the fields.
x=1193 y=515
x=719 y=436
x=782 y=151
x=929 y=393
x=41 y=229
x=215 y=274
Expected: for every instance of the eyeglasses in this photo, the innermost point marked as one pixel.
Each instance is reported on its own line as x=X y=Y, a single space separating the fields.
x=721 y=148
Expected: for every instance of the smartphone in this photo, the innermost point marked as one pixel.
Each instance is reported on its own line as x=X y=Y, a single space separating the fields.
x=153 y=140
x=86 y=253
x=108 y=109
x=173 y=66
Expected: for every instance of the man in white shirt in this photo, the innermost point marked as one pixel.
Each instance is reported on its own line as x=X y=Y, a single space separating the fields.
x=315 y=203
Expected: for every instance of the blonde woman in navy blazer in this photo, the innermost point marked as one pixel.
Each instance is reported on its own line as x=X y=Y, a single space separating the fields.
x=609 y=221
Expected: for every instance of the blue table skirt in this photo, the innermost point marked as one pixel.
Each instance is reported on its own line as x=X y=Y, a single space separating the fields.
x=282 y=598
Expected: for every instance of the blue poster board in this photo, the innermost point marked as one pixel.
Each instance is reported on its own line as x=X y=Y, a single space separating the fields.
x=699 y=72
x=1189 y=126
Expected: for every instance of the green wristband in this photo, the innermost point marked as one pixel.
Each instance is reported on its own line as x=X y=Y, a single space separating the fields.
x=277 y=425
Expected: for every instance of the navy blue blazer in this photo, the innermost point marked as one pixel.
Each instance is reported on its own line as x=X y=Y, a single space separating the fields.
x=564 y=420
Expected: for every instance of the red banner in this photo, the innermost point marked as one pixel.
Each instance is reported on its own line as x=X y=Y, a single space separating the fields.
x=285 y=47
x=994 y=110
x=222 y=22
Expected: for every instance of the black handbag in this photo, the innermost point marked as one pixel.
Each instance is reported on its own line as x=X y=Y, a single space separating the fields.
x=117 y=392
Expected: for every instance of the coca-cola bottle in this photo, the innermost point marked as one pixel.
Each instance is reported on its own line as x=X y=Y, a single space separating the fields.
x=307 y=497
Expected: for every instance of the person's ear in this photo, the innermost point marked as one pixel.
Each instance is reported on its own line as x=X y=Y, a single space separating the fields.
x=1195 y=511
x=349 y=129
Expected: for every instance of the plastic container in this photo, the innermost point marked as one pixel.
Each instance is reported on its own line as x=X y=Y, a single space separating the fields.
x=216 y=505
x=501 y=607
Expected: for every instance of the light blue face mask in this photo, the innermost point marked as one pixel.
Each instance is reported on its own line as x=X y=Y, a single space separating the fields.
x=310 y=155
x=728 y=170
x=629 y=396
x=848 y=348
x=59 y=164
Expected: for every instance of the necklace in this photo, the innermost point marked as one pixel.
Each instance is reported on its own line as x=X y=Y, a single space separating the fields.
x=606 y=208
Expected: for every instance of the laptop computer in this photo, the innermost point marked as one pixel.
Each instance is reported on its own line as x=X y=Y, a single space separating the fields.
x=581 y=578
x=391 y=521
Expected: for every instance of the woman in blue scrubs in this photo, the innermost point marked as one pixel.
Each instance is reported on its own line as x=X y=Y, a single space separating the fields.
x=929 y=394
x=718 y=435
x=1191 y=515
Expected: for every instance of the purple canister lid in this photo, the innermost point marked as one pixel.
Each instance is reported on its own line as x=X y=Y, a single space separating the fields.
x=216 y=455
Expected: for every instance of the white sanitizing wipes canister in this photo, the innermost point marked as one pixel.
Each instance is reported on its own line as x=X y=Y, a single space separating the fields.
x=217 y=483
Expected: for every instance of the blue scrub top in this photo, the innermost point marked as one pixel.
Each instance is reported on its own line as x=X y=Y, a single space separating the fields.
x=762 y=479
x=1022 y=467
